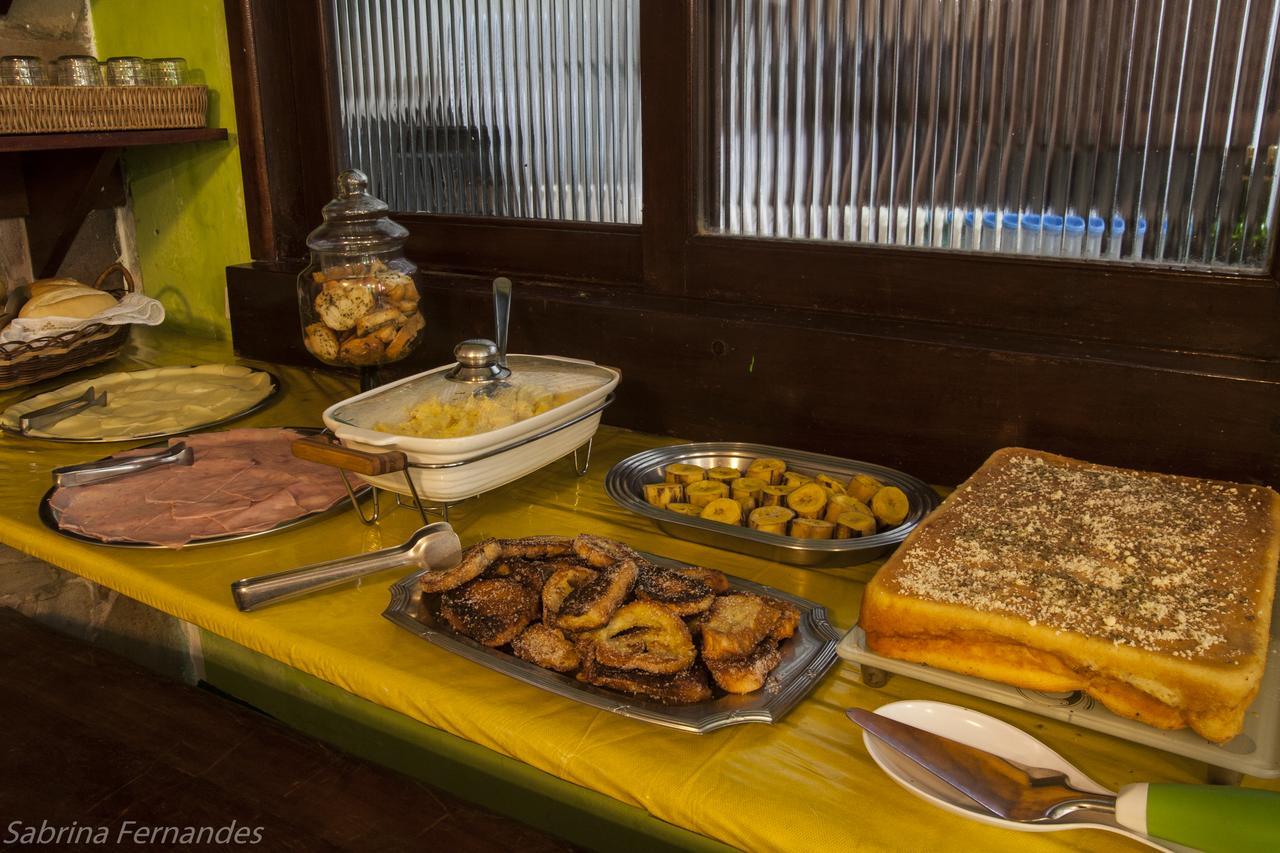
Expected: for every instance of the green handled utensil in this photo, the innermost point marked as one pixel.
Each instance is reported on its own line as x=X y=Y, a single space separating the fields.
x=1208 y=817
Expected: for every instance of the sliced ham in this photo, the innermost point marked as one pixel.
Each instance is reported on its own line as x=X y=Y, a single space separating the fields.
x=241 y=481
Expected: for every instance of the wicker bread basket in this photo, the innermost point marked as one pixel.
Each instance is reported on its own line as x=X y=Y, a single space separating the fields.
x=67 y=109
x=26 y=362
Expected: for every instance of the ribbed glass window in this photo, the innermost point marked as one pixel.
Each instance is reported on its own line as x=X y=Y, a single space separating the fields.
x=1132 y=130
x=520 y=108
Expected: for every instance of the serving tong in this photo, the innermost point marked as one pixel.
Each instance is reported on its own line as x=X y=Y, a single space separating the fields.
x=50 y=415
x=109 y=469
x=435 y=546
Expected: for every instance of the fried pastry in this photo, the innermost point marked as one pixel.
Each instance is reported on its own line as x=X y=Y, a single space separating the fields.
x=491 y=611
x=594 y=603
x=714 y=578
x=601 y=553
x=683 y=594
x=533 y=573
x=547 y=647
x=559 y=586
x=736 y=625
x=475 y=560
x=788 y=620
x=749 y=672
x=645 y=636
x=682 y=688
x=537 y=547
x=1152 y=593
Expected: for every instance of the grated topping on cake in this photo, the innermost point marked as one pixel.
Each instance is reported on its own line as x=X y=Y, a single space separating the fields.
x=1134 y=558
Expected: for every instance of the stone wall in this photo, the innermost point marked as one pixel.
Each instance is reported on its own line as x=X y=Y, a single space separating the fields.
x=82 y=609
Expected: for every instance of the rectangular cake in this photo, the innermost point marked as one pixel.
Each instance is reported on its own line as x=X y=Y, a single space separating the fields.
x=1152 y=593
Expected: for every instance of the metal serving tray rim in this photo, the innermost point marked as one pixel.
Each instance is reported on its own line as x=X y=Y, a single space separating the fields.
x=270 y=398
x=806 y=658
x=615 y=487
x=1260 y=726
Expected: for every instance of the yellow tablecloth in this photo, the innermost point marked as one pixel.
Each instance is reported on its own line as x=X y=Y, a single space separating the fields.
x=806 y=783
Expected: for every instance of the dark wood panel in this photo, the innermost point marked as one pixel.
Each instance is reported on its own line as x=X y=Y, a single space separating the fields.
x=1235 y=315
x=666 y=88
x=931 y=400
x=603 y=253
x=13 y=188
x=62 y=186
x=110 y=138
x=283 y=109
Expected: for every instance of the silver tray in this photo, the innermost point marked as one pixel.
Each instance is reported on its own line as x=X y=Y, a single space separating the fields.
x=1255 y=751
x=49 y=520
x=806 y=657
x=625 y=480
x=256 y=407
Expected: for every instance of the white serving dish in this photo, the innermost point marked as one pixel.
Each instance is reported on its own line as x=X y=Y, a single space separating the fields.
x=997 y=737
x=453 y=469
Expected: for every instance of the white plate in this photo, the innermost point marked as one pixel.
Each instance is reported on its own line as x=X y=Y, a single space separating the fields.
x=987 y=733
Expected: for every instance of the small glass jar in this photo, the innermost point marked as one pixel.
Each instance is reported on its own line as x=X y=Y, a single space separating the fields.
x=22 y=71
x=167 y=71
x=77 y=70
x=127 y=71
x=358 y=299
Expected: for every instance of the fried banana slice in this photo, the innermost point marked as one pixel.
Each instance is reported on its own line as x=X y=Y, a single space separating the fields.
x=681 y=593
x=682 y=688
x=537 y=547
x=747 y=673
x=593 y=604
x=788 y=620
x=601 y=553
x=491 y=611
x=713 y=578
x=475 y=560
x=547 y=647
x=559 y=586
x=645 y=636
x=736 y=625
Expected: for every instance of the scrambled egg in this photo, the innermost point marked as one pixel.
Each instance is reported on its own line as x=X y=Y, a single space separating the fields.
x=472 y=414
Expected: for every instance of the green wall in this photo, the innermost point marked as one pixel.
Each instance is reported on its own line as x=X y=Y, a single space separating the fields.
x=188 y=200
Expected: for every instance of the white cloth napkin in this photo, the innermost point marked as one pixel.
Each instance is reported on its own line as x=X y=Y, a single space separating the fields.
x=133 y=308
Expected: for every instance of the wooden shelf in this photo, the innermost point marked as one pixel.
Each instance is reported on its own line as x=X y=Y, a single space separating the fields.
x=110 y=138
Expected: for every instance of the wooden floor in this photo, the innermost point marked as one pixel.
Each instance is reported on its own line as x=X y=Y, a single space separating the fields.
x=92 y=739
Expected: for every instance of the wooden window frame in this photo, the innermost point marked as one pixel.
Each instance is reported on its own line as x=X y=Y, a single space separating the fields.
x=286 y=108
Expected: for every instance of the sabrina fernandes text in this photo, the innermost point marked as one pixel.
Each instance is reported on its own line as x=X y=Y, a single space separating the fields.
x=129 y=832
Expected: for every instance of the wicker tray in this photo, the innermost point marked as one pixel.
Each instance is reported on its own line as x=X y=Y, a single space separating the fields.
x=25 y=362
x=64 y=109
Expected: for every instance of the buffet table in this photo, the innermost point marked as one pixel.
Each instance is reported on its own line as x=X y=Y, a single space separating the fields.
x=806 y=783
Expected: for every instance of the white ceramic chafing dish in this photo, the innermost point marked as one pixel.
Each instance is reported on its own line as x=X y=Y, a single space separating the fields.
x=447 y=470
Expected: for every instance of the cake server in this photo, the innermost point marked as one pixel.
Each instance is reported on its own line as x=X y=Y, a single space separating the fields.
x=1207 y=817
x=435 y=546
x=50 y=415
x=108 y=469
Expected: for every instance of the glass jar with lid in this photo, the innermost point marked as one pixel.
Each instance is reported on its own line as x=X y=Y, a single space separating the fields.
x=358 y=299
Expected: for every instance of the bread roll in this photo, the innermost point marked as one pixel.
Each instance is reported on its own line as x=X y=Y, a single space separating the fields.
x=46 y=285
x=79 y=302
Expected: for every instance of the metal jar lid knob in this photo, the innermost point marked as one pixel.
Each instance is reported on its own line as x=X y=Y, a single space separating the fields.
x=477 y=362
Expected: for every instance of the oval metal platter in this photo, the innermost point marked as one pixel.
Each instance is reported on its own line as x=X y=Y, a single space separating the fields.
x=256 y=407
x=50 y=520
x=624 y=483
x=806 y=657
